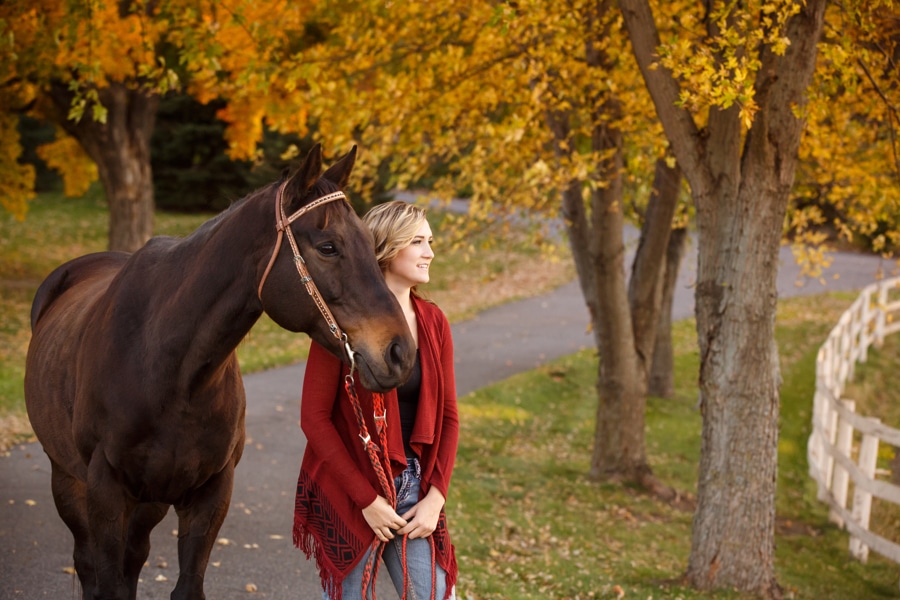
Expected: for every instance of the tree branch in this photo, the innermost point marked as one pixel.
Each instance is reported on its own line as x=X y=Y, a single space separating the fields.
x=679 y=125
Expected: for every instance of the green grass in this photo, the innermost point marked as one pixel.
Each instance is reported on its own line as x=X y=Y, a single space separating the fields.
x=527 y=523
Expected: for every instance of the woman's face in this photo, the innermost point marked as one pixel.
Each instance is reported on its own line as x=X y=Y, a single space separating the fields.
x=410 y=266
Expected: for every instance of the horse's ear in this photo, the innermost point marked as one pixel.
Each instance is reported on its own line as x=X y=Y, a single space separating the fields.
x=339 y=172
x=306 y=175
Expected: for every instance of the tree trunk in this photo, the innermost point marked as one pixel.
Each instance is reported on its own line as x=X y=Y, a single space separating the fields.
x=733 y=542
x=623 y=318
x=646 y=287
x=120 y=147
x=619 y=442
x=740 y=190
x=661 y=381
x=734 y=525
x=598 y=250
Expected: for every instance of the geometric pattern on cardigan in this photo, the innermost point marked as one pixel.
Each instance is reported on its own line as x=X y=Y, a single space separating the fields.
x=341 y=546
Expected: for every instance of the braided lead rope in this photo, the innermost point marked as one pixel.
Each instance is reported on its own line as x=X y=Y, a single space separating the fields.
x=282 y=225
x=382 y=466
x=370 y=571
x=406 y=567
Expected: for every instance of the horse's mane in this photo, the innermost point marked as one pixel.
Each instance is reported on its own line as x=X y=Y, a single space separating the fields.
x=320 y=188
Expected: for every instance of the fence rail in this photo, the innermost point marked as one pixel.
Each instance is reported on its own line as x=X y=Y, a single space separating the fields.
x=839 y=433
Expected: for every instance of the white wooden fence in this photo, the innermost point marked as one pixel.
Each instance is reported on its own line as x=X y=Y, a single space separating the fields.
x=834 y=440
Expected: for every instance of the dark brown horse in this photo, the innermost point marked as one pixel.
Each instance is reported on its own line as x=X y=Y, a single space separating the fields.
x=132 y=384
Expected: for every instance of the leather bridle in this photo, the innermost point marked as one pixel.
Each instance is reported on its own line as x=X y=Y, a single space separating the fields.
x=283 y=226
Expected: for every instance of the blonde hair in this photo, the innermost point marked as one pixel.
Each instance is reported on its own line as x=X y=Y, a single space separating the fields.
x=394 y=225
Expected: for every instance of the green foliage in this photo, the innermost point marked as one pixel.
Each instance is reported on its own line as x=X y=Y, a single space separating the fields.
x=191 y=170
x=35 y=133
x=191 y=167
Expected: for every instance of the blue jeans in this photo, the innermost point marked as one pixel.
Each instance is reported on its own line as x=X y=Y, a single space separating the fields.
x=418 y=552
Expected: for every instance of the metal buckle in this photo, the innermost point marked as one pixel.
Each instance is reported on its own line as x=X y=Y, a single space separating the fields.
x=351 y=355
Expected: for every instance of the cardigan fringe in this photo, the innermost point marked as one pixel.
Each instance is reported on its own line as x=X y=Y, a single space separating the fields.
x=307 y=542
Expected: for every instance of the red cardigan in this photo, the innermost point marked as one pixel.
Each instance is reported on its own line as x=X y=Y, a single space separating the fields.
x=336 y=477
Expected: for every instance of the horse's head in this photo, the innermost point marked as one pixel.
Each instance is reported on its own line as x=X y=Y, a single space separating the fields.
x=338 y=252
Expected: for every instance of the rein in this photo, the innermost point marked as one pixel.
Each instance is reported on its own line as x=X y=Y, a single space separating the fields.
x=283 y=226
x=382 y=466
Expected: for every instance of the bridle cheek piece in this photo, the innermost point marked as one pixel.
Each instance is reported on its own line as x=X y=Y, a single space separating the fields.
x=283 y=226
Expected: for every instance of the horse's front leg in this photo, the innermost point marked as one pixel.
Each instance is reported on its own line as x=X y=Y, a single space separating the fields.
x=108 y=508
x=143 y=519
x=199 y=522
x=69 y=497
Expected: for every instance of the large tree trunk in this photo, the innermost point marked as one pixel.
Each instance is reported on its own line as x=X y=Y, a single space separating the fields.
x=739 y=400
x=740 y=192
x=661 y=381
x=740 y=235
x=121 y=149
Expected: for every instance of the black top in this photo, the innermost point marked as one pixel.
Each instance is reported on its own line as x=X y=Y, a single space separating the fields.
x=408 y=400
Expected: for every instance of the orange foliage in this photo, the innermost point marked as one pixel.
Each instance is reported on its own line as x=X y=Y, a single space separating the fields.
x=228 y=49
x=69 y=159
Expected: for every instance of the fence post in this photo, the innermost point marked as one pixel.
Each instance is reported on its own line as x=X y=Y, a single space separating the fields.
x=865 y=336
x=862 y=499
x=841 y=481
x=845 y=368
x=881 y=319
x=831 y=431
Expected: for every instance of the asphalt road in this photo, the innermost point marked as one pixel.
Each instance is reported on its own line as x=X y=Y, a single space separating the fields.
x=255 y=549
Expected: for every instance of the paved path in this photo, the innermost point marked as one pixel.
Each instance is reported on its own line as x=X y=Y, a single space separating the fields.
x=35 y=546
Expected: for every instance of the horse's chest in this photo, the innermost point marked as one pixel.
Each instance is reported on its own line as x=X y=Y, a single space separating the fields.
x=165 y=469
x=165 y=459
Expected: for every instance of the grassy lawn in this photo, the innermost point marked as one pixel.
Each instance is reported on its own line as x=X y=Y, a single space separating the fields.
x=525 y=520
x=528 y=524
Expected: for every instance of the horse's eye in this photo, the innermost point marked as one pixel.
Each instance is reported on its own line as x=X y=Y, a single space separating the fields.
x=327 y=249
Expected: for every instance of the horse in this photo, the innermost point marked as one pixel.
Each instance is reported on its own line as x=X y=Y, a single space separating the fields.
x=132 y=385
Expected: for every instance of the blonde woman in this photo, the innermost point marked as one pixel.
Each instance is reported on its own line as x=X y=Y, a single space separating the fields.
x=343 y=516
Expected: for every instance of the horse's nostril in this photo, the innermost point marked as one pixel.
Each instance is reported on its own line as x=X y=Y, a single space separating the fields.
x=395 y=354
x=399 y=358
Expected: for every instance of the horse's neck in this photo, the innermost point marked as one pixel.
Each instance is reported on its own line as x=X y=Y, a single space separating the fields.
x=209 y=285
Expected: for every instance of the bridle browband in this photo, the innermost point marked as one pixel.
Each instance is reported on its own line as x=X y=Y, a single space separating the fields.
x=283 y=225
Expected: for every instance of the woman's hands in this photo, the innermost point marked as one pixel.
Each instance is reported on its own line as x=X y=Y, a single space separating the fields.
x=418 y=522
x=423 y=517
x=382 y=518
